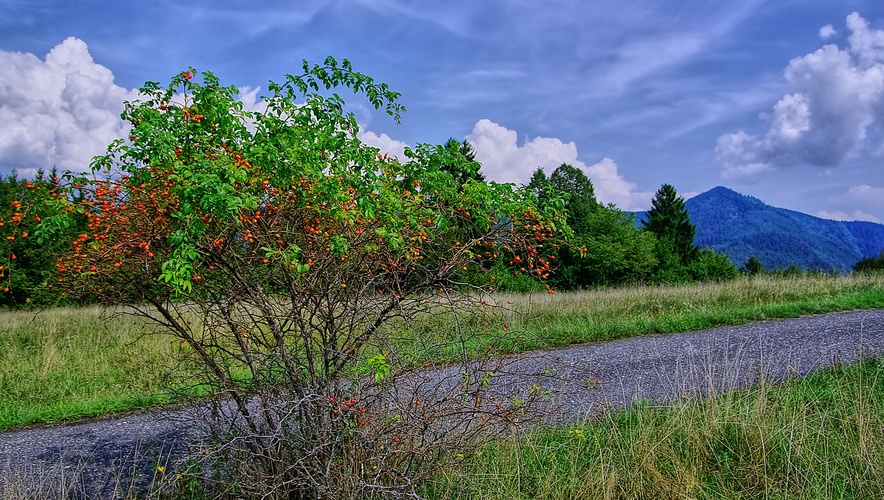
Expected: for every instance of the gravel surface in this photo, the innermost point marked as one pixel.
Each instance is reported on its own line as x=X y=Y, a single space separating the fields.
x=104 y=458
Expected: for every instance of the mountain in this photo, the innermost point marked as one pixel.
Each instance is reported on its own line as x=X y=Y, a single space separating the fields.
x=742 y=226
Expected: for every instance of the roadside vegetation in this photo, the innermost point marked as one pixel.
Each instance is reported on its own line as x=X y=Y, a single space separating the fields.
x=820 y=436
x=68 y=363
x=816 y=437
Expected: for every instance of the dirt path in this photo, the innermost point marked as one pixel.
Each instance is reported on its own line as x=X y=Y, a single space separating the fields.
x=111 y=455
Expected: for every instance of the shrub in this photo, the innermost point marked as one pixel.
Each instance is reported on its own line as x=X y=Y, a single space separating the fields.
x=298 y=269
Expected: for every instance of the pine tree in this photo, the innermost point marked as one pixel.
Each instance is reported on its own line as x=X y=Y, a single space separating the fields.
x=539 y=183
x=668 y=220
x=753 y=265
x=460 y=162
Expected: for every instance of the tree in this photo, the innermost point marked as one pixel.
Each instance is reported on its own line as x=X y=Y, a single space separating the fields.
x=30 y=258
x=459 y=160
x=712 y=266
x=539 y=184
x=580 y=201
x=869 y=264
x=616 y=252
x=668 y=220
x=291 y=261
x=753 y=266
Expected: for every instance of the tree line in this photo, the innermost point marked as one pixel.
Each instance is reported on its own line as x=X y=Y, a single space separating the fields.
x=608 y=246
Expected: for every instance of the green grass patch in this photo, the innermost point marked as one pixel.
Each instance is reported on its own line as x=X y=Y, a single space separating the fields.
x=815 y=437
x=70 y=363
x=562 y=319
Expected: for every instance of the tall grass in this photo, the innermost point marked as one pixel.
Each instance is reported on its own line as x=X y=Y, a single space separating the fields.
x=537 y=321
x=819 y=437
x=604 y=314
x=70 y=363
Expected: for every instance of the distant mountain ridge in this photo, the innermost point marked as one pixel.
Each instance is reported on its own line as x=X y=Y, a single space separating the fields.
x=742 y=226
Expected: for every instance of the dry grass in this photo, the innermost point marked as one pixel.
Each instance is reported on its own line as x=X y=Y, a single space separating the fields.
x=820 y=437
x=70 y=363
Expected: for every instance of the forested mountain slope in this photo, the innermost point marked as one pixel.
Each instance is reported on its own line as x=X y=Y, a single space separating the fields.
x=742 y=226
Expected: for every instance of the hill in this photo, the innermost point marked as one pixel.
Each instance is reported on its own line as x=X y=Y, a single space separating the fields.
x=742 y=226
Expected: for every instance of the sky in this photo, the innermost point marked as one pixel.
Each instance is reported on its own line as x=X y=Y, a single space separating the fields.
x=782 y=100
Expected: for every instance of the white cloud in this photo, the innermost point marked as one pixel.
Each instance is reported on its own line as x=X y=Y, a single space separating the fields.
x=611 y=187
x=838 y=100
x=864 y=200
x=855 y=215
x=385 y=143
x=60 y=111
x=867 y=195
x=504 y=160
x=866 y=43
x=251 y=99
x=828 y=31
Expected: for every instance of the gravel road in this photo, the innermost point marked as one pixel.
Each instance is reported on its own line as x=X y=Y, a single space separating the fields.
x=103 y=458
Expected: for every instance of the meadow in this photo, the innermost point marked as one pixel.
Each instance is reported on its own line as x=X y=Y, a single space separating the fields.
x=816 y=437
x=819 y=436
x=69 y=363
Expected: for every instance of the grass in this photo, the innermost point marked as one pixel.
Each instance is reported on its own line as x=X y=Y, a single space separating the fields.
x=815 y=437
x=563 y=319
x=537 y=321
x=71 y=363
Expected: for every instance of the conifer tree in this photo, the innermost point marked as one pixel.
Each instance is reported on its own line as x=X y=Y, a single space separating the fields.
x=668 y=220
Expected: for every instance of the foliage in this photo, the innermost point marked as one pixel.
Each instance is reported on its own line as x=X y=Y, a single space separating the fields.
x=539 y=184
x=459 y=160
x=712 y=266
x=30 y=257
x=607 y=248
x=615 y=252
x=753 y=266
x=875 y=263
x=668 y=220
x=580 y=202
x=278 y=248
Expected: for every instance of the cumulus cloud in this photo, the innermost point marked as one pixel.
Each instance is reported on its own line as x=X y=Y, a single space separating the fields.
x=385 y=143
x=852 y=216
x=838 y=101
x=250 y=97
x=828 y=31
x=59 y=111
x=504 y=160
x=869 y=199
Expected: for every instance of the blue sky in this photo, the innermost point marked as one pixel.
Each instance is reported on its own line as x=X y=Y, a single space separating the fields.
x=782 y=99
